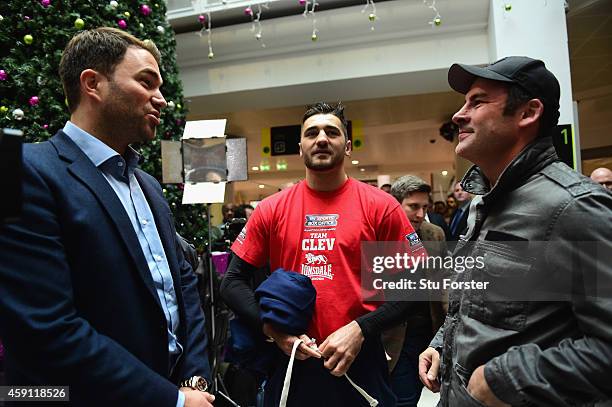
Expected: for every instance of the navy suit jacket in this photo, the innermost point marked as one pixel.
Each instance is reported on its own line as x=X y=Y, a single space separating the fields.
x=461 y=227
x=77 y=302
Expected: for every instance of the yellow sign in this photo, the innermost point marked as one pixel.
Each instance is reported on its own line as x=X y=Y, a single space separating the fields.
x=266 y=142
x=358 y=137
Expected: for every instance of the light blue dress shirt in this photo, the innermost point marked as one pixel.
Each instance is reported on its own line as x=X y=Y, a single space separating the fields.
x=119 y=172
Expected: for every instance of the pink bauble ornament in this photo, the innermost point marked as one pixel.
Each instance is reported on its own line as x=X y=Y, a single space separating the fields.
x=34 y=100
x=202 y=19
x=45 y=126
x=27 y=18
x=248 y=11
x=302 y=2
x=45 y=3
x=145 y=10
x=122 y=24
x=3 y=75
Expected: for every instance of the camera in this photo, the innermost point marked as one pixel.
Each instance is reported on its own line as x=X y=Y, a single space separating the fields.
x=232 y=229
x=11 y=174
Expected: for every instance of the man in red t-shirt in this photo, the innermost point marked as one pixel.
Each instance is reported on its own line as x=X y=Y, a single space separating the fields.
x=316 y=228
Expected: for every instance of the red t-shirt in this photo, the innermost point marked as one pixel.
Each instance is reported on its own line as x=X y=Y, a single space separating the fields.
x=318 y=234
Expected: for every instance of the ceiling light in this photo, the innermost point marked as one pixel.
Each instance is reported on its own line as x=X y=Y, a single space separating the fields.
x=444 y=173
x=362 y=169
x=261 y=186
x=255 y=168
x=355 y=162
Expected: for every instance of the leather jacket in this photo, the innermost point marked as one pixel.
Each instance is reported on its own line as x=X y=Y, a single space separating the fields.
x=536 y=353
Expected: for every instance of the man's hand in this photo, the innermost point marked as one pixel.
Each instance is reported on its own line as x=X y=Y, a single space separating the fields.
x=429 y=364
x=196 y=398
x=285 y=343
x=341 y=348
x=480 y=390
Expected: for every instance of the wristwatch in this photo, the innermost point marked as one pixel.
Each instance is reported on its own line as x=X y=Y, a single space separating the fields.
x=196 y=383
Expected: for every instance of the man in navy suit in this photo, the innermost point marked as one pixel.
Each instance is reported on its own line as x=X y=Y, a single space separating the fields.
x=458 y=222
x=95 y=292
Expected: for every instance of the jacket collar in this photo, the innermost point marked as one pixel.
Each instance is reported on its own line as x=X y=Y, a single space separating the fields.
x=82 y=168
x=535 y=156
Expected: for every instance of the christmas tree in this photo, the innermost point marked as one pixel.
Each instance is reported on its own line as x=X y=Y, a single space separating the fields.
x=33 y=34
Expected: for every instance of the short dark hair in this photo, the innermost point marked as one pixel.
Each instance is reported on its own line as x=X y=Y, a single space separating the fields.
x=100 y=49
x=408 y=184
x=325 y=108
x=240 y=212
x=517 y=97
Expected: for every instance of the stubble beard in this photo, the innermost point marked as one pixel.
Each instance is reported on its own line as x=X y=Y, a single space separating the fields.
x=336 y=161
x=120 y=121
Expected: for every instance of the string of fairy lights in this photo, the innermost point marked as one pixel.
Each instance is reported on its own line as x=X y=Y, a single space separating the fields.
x=310 y=9
x=437 y=19
x=206 y=21
x=256 y=26
x=309 y=12
x=371 y=8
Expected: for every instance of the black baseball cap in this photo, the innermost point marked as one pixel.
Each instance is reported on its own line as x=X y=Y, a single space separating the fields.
x=530 y=74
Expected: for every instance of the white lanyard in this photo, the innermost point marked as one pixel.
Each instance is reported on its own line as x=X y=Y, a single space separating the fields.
x=285 y=393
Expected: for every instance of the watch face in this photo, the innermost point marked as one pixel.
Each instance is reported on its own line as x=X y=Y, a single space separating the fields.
x=195 y=383
x=201 y=384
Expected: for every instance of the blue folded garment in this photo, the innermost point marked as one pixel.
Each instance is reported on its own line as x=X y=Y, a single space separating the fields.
x=287 y=300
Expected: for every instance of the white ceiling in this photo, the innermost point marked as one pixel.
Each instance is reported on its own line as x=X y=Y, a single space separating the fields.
x=403 y=55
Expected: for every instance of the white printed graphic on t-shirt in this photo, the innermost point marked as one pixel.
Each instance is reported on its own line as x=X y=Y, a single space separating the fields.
x=318 y=237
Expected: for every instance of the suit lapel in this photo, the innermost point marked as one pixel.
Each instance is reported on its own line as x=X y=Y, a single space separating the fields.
x=83 y=169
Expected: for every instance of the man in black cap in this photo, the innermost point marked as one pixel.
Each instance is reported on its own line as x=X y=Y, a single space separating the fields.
x=539 y=335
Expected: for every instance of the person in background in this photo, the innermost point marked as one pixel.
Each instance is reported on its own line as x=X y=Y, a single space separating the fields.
x=424 y=318
x=227 y=210
x=248 y=210
x=458 y=222
x=439 y=207
x=437 y=219
x=603 y=176
x=386 y=188
x=451 y=207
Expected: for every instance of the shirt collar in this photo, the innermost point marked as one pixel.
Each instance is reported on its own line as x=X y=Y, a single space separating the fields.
x=95 y=149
